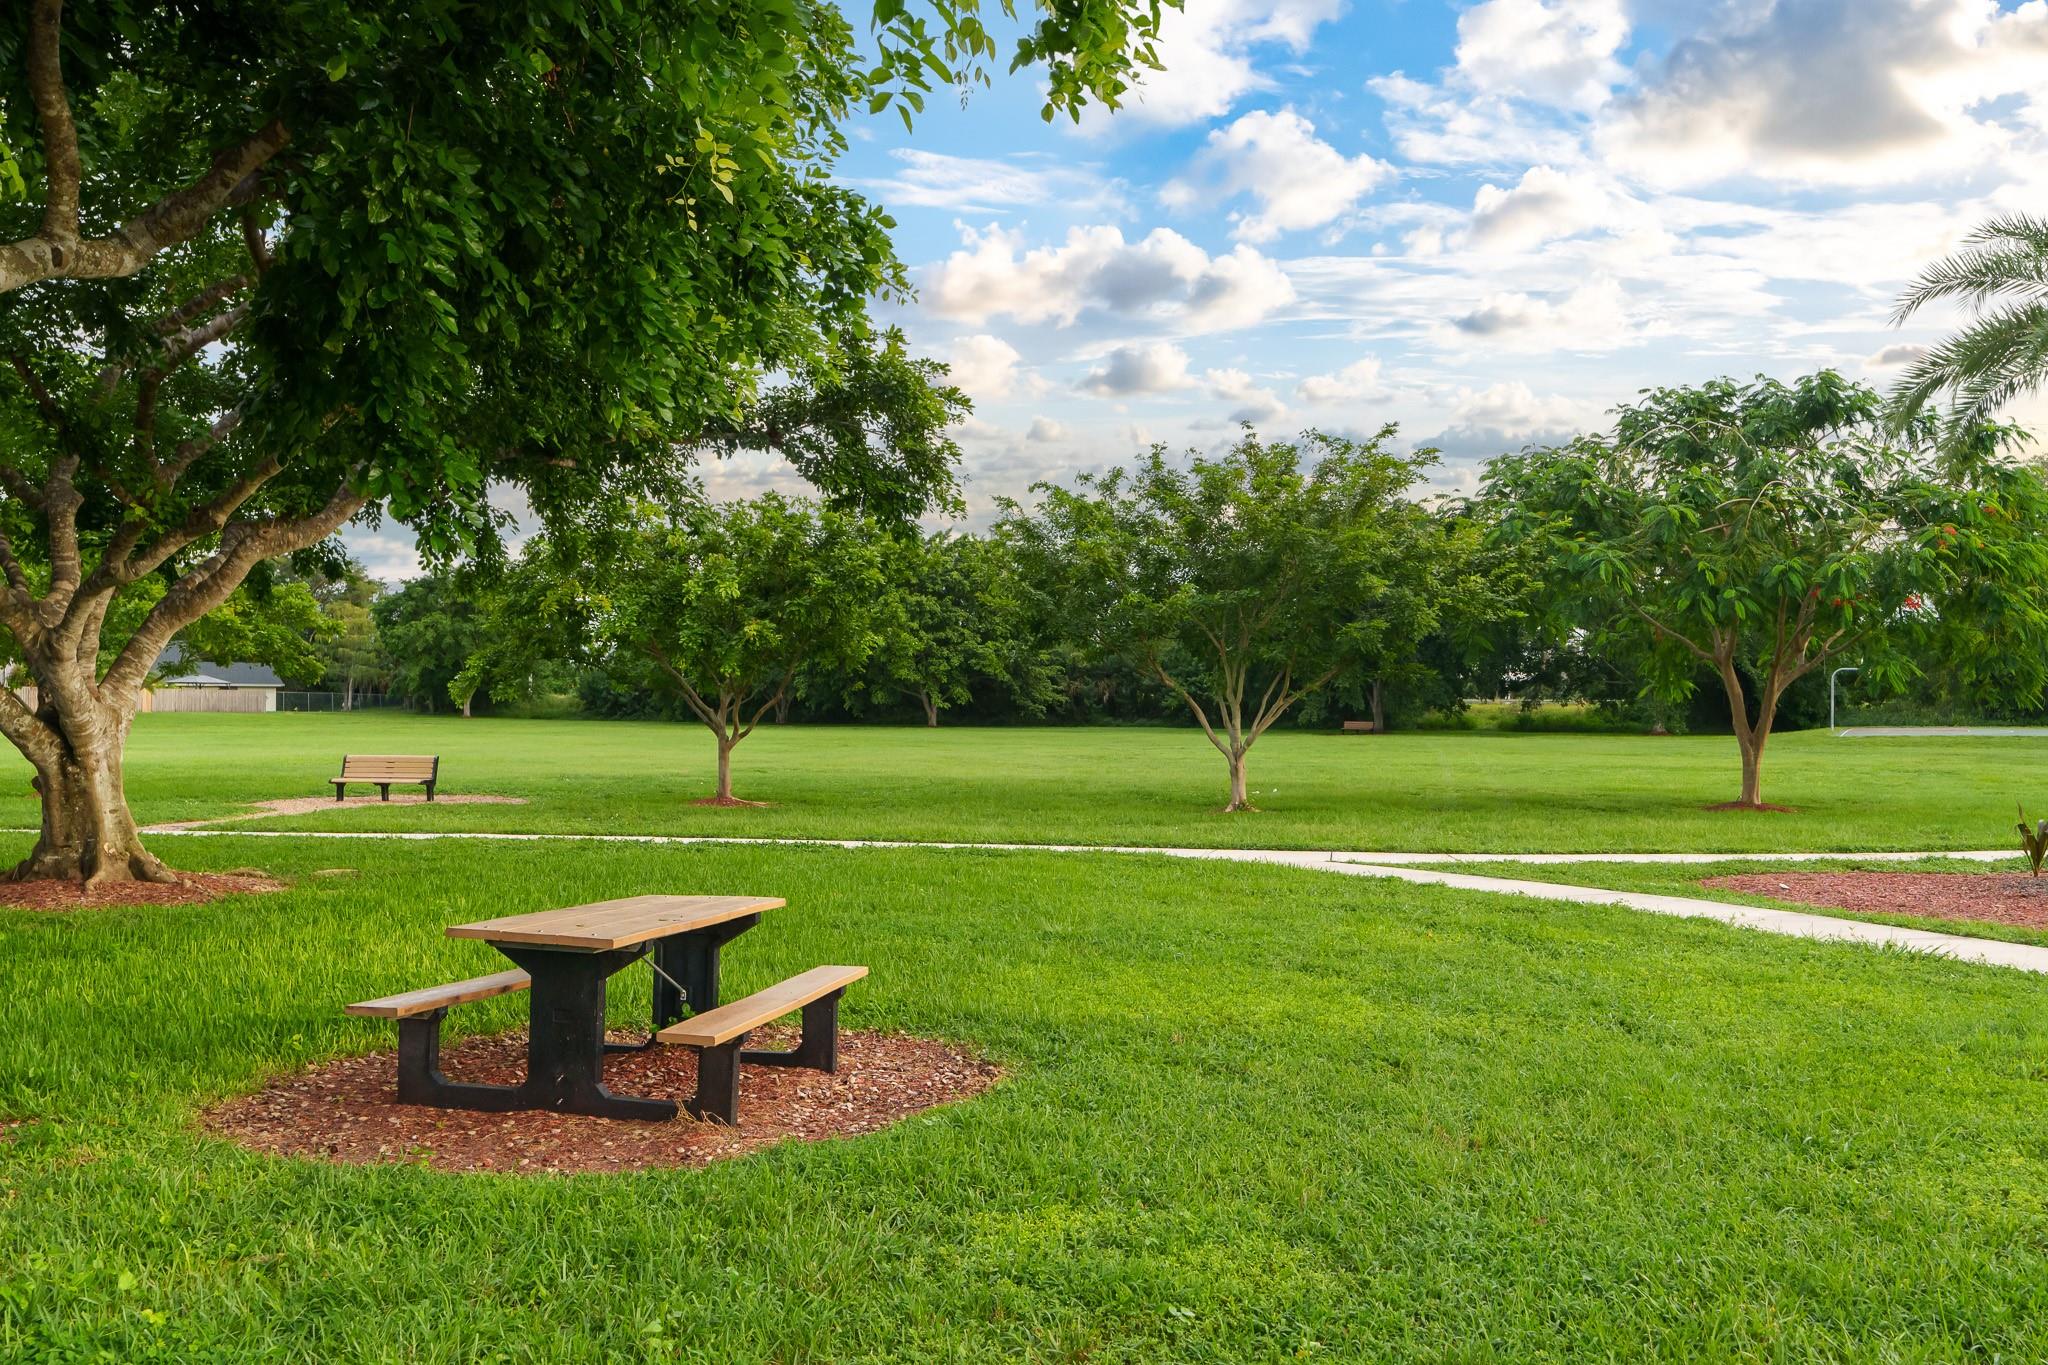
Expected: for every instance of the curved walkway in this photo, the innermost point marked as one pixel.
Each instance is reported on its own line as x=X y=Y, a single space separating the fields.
x=1402 y=867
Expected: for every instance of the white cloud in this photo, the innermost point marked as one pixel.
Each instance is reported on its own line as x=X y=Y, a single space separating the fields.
x=985 y=366
x=1558 y=52
x=1163 y=278
x=1514 y=410
x=1299 y=180
x=1894 y=356
x=1845 y=92
x=983 y=185
x=1592 y=317
x=1044 y=430
x=1546 y=205
x=1206 y=52
x=1253 y=403
x=1360 y=379
x=1146 y=368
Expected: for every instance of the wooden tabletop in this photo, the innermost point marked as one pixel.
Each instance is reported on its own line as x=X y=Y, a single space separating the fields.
x=616 y=924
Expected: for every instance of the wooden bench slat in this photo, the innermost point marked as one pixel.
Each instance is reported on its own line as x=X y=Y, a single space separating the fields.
x=729 y=1021
x=405 y=1005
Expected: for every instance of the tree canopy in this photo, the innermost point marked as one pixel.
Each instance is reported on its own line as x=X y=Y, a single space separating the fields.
x=1243 y=582
x=274 y=267
x=1766 y=530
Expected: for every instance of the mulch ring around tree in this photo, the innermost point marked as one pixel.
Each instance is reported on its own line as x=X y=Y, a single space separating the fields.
x=2015 y=898
x=191 y=888
x=347 y=1111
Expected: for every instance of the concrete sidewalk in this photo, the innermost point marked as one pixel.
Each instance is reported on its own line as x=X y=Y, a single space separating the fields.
x=1398 y=866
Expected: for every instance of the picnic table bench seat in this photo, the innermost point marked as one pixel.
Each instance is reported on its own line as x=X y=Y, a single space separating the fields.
x=419 y=1014
x=718 y=1035
x=382 y=770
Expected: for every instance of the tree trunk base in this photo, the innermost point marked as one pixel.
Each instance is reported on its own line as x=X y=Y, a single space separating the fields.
x=89 y=869
x=728 y=802
x=1763 y=806
x=1239 y=807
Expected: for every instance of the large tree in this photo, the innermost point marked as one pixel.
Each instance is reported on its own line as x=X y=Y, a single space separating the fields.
x=274 y=267
x=1242 y=582
x=1766 y=530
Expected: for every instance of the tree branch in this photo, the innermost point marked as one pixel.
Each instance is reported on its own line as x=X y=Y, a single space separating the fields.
x=1201 y=716
x=206 y=587
x=59 y=233
x=169 y=221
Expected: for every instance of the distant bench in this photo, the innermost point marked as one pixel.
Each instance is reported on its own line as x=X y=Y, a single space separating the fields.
x=381 y=770
x=1358 y=727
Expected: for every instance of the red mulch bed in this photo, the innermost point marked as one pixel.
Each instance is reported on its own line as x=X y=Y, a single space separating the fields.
x=191 y=888
x=347 y=1111
x=1997 y=897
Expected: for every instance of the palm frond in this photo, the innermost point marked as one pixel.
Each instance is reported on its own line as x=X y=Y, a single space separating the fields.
x=1992 y=361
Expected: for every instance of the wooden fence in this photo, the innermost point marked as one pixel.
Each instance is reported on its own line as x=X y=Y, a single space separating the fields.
x=236 y=700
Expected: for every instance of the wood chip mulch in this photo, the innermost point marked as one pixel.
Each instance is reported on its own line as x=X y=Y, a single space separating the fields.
x=347 y=1111
x=1996 y=897
x=191 y=888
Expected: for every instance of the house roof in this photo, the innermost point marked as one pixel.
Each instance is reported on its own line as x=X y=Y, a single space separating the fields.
x=177 y=671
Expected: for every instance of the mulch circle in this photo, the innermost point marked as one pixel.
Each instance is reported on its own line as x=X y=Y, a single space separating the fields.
x=191 y=888
x=347 y=1111
x=1754 y=807
x=2015 y=898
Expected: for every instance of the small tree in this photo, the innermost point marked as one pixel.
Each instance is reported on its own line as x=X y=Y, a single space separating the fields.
x=1770 y=529
x=1243 y=583
x=429 y=629
x=725 y=601
x=951 y=621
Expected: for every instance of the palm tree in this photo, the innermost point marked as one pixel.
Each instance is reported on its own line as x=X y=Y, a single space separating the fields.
x=2002 y=273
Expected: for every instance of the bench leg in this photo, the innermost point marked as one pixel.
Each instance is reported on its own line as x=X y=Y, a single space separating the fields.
x=384 y=791
x=419 y=1072
x=340 y=790
x=430 y=791
x=818 y=1048
x=718 y=1084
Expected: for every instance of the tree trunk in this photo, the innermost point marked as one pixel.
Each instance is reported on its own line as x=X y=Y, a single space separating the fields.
x=87 y=834
x=466 y=701
x=931 y=710
x=1379 y=710
x=724 y=792
x=1238 y=799
x=1752 y=772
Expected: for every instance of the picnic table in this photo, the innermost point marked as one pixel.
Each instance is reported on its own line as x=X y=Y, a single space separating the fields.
x=568 y=955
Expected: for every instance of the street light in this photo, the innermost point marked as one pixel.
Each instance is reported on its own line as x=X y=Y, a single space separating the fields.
x=1831 y=696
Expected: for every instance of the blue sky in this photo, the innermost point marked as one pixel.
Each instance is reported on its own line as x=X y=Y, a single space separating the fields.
x=1486 y=221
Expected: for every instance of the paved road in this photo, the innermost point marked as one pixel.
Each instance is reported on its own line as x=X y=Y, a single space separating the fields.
x=1944 y=731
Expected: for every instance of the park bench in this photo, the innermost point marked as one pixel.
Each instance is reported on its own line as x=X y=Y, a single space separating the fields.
x=419 y=1014
x=718 y=1035
x=381 y=770
x=1358 y=727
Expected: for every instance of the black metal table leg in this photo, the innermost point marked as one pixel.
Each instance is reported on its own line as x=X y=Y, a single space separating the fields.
x=565 y=1034
x=691 y=960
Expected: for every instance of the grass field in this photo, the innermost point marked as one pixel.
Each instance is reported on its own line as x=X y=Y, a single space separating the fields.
x=1484 y=792
x=1256 y=1114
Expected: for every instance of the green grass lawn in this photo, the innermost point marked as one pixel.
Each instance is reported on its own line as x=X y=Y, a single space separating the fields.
x=1256 y=1114
x=1452 y=792
x=1684 y=880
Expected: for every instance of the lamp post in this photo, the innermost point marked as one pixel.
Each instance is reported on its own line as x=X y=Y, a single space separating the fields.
x=1831 y=696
